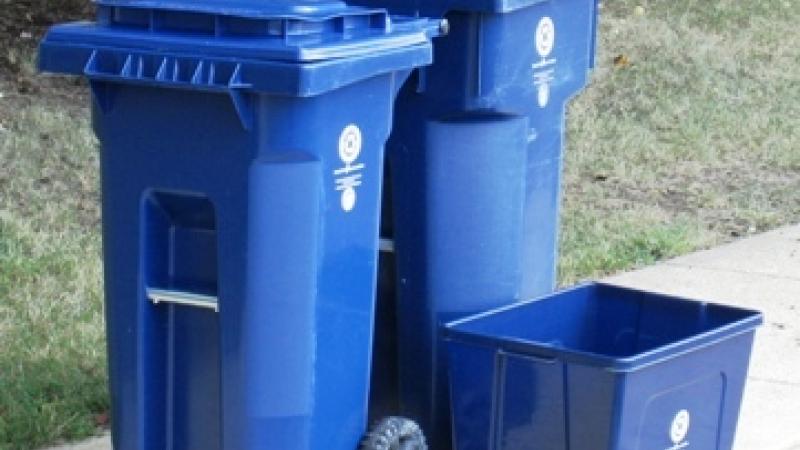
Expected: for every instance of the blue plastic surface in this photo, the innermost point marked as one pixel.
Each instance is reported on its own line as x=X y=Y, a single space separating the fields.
x=599 y=367
x=433 y=8
x=237 y=46
x=475 y=199
x=247 y=169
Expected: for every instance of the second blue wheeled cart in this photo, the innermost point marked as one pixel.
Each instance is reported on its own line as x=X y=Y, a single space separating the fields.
x=474 y=167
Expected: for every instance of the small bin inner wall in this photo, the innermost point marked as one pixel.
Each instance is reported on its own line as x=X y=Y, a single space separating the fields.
x=563 y=373
x=606 y=322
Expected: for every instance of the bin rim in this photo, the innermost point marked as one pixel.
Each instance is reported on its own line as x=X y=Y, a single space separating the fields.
x=439 y=8
x=405 y=34
x=546 y=352
x=239 y=46
x=245 y=8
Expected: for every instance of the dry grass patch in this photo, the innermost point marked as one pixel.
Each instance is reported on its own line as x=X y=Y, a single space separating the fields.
x=700 y=131
x=52 y=367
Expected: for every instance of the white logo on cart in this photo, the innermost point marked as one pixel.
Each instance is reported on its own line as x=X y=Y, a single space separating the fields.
x=543 y=95
x=680 y=429
x=543 y=70
x=348 y=178
x=545 y=36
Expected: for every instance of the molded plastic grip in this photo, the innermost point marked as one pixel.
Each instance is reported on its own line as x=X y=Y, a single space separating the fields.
x=112 y=66
x=168 y=71
x=280 y=312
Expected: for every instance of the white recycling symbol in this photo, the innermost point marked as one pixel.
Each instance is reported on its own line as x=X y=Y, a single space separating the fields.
x=545 y=36
x=680 y=427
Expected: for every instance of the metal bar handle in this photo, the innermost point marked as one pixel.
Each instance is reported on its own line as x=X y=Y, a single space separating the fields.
x=386 y=245
x=183 y=298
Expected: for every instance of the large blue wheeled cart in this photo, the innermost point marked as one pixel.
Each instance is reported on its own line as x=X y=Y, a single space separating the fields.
x=242 y=164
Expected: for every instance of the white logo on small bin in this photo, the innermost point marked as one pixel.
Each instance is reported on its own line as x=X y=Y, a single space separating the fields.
x=348 y=178
x=679 y=430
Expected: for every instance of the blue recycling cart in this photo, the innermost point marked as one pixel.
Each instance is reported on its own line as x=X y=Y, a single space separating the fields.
x=600 y=367
x=473 y=180
x=242 y=164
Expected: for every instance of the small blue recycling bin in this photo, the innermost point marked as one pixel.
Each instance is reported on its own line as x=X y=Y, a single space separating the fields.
x=599 y=367
x=242 y=162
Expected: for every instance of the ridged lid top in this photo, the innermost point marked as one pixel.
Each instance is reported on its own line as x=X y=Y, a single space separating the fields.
x=438 y=8
x=278 y=30
x=241 y=8
x=299 y=47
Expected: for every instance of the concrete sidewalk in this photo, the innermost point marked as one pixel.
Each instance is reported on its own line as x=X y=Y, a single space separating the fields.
x=762 y=272
x=99 y=443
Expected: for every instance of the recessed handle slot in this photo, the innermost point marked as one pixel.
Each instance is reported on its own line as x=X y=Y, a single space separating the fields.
x=183 y=298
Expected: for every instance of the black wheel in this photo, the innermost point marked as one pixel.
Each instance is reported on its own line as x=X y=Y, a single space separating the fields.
x=395 y=433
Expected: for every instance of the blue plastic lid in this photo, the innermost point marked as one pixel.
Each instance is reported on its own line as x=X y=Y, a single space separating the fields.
x=310 y=46
x=243 y=8
x=438 y=8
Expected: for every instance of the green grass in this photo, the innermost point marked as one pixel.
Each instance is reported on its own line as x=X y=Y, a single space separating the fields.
x=694 y=143
x=52 y=367
x=593 y=242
